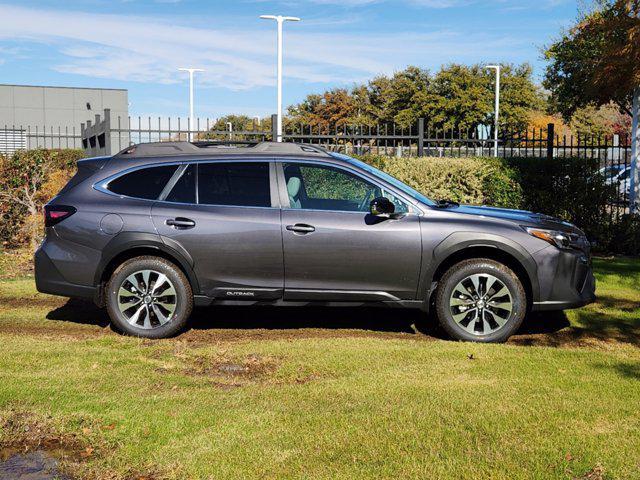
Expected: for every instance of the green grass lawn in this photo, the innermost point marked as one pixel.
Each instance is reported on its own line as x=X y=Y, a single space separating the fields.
x=262 y=393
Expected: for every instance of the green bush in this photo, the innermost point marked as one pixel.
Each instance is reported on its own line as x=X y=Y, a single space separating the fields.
x=571 y=189
x=27 y=181
x=625 y=236
x=477 y=181
x=568 y=188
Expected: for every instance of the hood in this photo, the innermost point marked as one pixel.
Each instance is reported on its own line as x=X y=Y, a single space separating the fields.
x=522 y=217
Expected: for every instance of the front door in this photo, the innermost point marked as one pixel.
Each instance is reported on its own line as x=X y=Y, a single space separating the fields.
x=221 y=214
x=334 y=249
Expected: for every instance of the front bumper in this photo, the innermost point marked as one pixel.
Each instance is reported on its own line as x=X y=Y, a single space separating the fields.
x=566 y=279
x=50 y=280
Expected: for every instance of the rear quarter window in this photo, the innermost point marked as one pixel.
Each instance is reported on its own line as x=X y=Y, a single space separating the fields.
x=146 y=183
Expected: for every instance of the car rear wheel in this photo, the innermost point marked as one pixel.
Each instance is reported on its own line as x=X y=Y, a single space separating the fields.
x=480 y=300
x=149 y=297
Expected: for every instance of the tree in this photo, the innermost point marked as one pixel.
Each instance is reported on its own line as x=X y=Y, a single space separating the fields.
x=397 y=99
x=457 y=96
x=331 y=109
x=538 y=122
x=598 y=60
x=28 y=179
x=238 y=123
x=598 y=122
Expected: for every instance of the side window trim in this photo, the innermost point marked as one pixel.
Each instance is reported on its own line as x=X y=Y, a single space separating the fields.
x=284 y=197
x=172 y=182
x=273 y=183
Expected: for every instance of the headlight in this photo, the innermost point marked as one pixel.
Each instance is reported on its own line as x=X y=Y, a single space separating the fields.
x=554 y=237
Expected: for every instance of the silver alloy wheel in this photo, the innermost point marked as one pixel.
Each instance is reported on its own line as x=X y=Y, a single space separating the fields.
x=147 y=299
x=481 y=304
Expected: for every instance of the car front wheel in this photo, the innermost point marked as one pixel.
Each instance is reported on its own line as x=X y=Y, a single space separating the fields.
x=480 y=300
x=149 y=297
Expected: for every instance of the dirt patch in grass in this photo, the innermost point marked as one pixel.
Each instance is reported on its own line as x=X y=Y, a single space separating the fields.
x=9 y=303
x=603 y=335
x=67 y=332
x=222 y=371
x=572 y=337
x=30 y=447
x=252 y=367
x=214 y=335
x=596 y=473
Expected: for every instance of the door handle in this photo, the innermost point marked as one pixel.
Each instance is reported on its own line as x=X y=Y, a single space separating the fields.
x=180 y=222
x=301 y=228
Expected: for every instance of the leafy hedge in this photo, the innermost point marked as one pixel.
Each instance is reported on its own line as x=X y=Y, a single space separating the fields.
x=571 y=189
x=465 y=180
x=28 y=179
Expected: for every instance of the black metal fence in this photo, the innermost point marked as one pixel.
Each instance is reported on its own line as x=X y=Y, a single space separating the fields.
x=420 y=140
x=610 y=155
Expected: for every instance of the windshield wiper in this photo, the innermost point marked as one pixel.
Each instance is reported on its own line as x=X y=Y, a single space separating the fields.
x=446 y=204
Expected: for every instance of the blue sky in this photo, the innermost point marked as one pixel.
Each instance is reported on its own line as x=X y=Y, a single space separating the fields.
x=139 y=44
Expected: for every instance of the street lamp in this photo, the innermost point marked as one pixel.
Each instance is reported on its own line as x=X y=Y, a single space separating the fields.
x=497 y=108
x=191 y=120
x=230 y=128
x=280 y=20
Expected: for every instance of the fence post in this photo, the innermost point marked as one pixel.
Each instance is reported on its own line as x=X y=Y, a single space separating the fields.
x=634 y=190
x=274 y=127
x=107 y=131
x=550 y=137
x=420 y=137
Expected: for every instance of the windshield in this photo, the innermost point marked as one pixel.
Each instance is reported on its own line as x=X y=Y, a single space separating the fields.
x=386 y=177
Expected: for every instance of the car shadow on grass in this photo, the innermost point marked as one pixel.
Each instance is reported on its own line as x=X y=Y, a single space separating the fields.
x=316 y=317
x=82 y=312
x=551 y=329
x=288 y=321
x=591 y=324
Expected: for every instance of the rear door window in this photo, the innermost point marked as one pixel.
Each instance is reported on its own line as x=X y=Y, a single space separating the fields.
x=244 y=184
x=144 y=183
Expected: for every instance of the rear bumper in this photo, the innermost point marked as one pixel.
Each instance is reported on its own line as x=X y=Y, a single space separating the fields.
x=50 y=280
x=569 y=281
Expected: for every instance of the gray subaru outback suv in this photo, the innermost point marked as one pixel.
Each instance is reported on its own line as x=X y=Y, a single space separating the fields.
x=160 y=227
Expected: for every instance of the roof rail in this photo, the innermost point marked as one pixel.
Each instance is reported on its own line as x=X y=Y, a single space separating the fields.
x=155 y=149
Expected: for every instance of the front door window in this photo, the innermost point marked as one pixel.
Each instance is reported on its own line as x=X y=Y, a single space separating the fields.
x=315 y=187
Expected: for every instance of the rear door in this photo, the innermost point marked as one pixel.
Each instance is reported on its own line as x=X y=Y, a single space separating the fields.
x=334 y=249
x=226 y=216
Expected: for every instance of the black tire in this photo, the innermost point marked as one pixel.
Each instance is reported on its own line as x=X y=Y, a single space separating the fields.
x=150 y=327
x=516 y=301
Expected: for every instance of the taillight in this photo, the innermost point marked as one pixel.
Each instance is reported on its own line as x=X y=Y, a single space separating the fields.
x=54 y=214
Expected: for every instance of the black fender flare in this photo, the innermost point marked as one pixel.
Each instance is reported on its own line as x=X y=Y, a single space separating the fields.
x=125 y=241
x=459 y=241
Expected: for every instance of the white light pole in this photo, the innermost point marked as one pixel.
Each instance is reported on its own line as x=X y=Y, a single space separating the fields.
x=230 y=128
x=191 y=120
x=497 y=108
x=280 y=20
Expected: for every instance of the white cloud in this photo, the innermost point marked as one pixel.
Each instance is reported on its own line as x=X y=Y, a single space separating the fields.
x=149 y=50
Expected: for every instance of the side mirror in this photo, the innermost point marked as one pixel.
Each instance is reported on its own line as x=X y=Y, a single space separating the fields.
x=382 y=207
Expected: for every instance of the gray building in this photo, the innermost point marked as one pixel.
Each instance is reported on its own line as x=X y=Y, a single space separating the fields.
x=39 y=116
